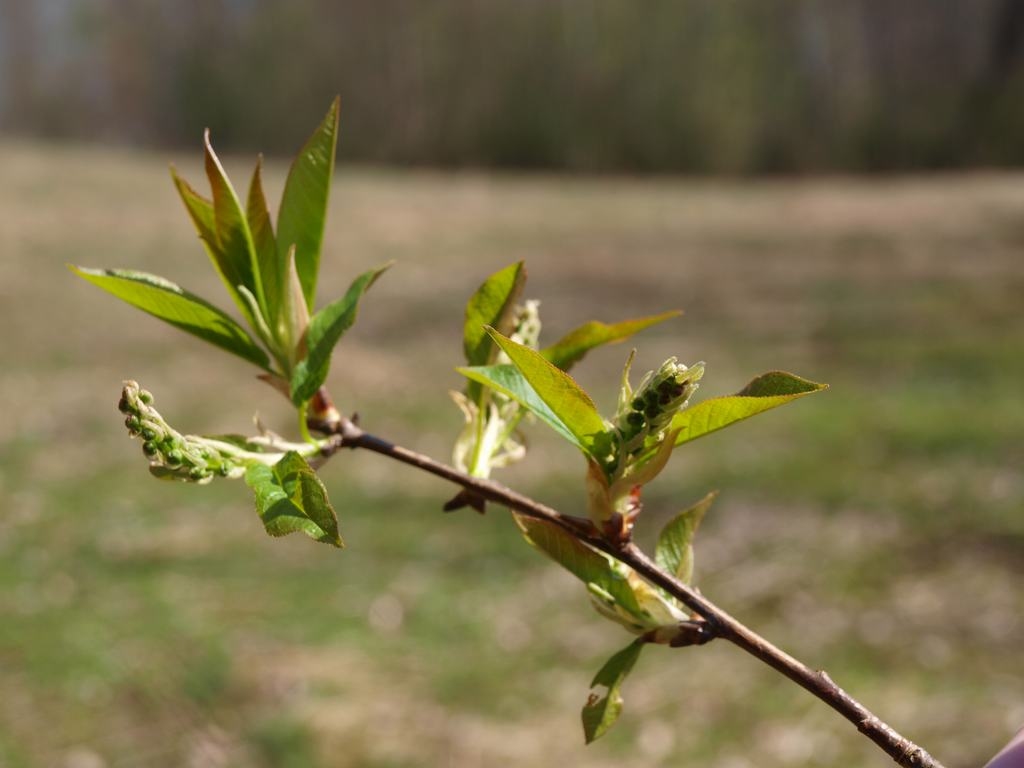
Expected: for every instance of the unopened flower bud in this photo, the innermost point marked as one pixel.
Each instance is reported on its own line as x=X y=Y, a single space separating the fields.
x=526 y=330
x=646 y=415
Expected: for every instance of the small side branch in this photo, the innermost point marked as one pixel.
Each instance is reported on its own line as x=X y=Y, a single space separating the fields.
x=712 y=622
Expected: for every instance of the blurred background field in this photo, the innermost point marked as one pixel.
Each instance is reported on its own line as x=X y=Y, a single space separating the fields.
x=876 y=531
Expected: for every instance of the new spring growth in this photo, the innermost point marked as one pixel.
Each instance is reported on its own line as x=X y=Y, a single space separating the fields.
x=492 y=441
x=644 y=415
x=191 y=458
x=642 y=442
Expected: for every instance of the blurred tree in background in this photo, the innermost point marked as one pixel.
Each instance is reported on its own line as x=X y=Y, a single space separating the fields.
x=704 y=86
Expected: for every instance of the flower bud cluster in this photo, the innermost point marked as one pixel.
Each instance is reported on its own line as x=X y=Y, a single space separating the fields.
x=527 y=324
x=525 y=328
x=171 y=454
x=490 y=438
x=644 y=416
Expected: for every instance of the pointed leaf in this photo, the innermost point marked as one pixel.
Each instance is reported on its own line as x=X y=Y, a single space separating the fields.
x=290 y=498
x=236 y=254
x=294 y=314
x=171 y=303
x=572 y=347
x=560 y=393
x=267 y=261
x=767 y=391
x=674 y=551
x=200 y=210
x=325 y=329
x=300 y=220
x=586 y=564
x=600 y=713
x=510 y=382
x=492 y=305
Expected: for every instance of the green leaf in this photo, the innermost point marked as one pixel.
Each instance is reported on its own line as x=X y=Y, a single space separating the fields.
x=267 y=260
x=325 y=329
x=586 y=564
x=200 y=210
x=235 y=253
x=492 y=305
x=563 y=396
x=572 y=347
x=290 y=498
x=674 y=551
x=171 y=303
x=300 y=220
x=600 y=712
x=510 y=382
x=767 y=391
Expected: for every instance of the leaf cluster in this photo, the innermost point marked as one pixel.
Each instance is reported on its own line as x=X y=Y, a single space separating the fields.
x=270 y=272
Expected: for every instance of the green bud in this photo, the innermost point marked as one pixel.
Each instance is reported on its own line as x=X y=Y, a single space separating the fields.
x=173 y=458
x=147 y=433
x=123 y=405
x=133 y=424
x=526 y=329
x=149 y=448
x=145 y=396
x=198 y=473
x=643 y=419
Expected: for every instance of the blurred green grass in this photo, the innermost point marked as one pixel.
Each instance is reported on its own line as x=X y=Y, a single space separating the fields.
x=876 y=531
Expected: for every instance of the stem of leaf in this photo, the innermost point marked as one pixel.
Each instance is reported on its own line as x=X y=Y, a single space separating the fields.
x=304 y=426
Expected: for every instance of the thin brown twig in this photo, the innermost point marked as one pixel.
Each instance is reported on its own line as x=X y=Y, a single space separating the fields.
x=716 y=622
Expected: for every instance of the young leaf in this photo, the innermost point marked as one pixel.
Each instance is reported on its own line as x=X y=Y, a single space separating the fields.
x=600 y=712
x=560 y=393
x=200 y=210
x=235 y=255
x=510 y=382
x=586 y=564
x=763 y=393
x=294 y=314
x=300 y=220
x=171 y=303
x=262 y=230
x=674 y=551
x=491 y=305
x=290 y=498
x=325 y=329
x=572 y=347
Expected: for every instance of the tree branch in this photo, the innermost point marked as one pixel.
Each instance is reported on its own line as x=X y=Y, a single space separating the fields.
x=716 y=622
